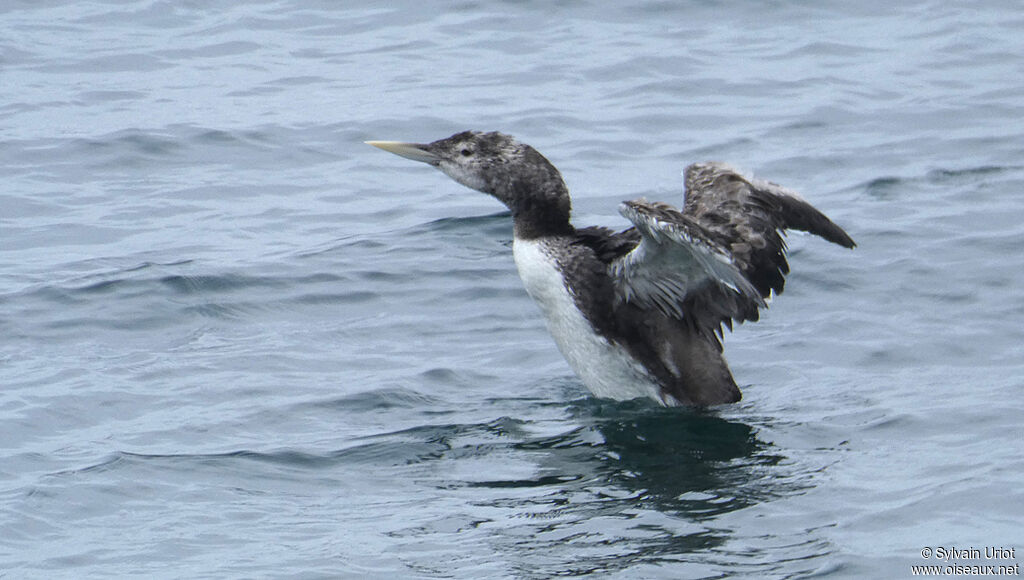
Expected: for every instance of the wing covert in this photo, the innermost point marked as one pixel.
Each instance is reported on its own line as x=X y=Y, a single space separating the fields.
x=681 y=269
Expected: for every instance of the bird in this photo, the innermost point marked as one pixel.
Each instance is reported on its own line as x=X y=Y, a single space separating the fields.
x=638 y=313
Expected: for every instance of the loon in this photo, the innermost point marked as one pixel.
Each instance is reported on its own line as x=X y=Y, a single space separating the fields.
x=639 y=312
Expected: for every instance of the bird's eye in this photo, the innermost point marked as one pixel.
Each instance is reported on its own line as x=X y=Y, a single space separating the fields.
x=466 y=152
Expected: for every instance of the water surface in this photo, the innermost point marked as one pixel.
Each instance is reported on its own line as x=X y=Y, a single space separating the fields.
x=237 y=342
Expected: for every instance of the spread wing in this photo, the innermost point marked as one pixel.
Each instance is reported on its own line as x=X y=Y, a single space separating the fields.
x=749 y=217
x=682 y=269
x=719 y=258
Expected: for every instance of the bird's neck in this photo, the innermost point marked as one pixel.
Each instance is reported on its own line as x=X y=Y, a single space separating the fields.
x=529 y=228
x=539 y=202
x=538 y=217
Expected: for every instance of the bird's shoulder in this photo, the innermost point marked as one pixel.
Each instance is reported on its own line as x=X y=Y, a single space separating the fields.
x=607 y=244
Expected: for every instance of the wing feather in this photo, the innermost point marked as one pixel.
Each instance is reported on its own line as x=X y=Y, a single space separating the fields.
x=680 y=268
x=718 y=259
x=749 y=217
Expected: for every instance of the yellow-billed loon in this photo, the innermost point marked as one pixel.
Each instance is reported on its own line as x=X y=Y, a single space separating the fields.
x=638 y=313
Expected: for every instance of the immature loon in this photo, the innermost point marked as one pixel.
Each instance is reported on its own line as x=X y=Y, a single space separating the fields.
x=638 y=313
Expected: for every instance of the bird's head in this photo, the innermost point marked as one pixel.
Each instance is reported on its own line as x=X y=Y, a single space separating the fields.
x=494 y=163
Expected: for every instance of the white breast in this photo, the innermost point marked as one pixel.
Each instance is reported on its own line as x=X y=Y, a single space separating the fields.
x=605 y=368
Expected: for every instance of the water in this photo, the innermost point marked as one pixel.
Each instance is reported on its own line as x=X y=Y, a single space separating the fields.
x=237 y=342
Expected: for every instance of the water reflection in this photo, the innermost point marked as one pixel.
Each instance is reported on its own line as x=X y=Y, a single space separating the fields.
x=610 y=487
x=634 y=484
x=685 y=461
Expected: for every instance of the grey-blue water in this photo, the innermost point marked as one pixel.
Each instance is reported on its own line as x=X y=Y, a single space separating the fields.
x=236 y=342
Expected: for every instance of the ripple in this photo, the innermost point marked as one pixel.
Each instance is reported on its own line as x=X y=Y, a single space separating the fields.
x=376 y=400
x=237 y=341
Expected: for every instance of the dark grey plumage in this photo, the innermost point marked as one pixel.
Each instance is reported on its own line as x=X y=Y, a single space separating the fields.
x=659 y=291
x=513 y=172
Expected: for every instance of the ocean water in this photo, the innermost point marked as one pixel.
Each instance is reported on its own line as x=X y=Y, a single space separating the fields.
x=236 y=342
